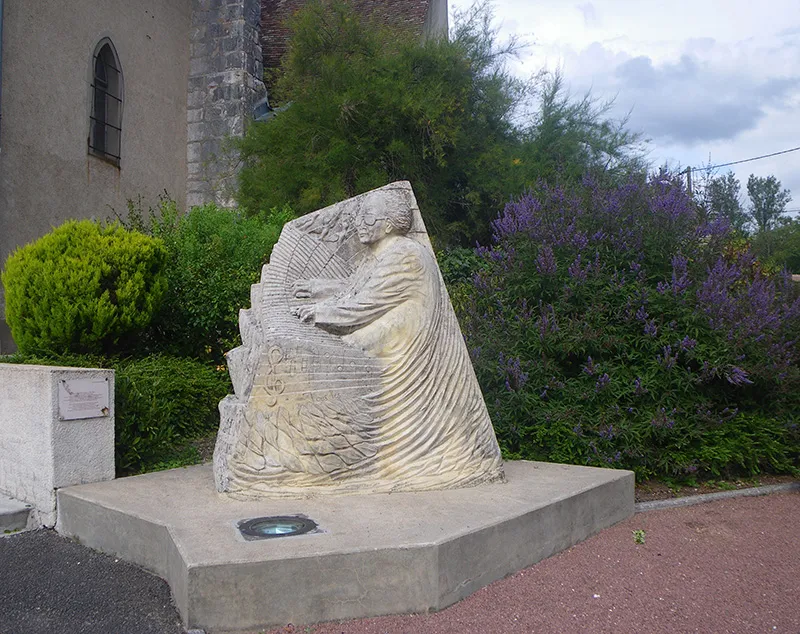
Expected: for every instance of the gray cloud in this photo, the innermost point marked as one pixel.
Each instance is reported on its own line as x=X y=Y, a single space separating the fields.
x=778 y=90
x=690 y=100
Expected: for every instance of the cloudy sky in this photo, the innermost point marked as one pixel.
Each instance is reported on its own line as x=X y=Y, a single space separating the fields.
x=702 y=79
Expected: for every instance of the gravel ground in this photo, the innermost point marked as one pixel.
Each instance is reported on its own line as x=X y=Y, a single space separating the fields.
x=51 y=585
x=722 y=567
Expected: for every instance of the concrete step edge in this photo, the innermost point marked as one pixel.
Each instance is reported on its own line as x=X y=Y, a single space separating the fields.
x=13 y=515
x=690 y=500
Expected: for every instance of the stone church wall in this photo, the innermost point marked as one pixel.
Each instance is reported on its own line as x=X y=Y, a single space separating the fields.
x=224 y=83
x=192 y=71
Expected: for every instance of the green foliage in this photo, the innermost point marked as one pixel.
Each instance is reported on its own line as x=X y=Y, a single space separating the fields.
x=160 y=402
x=615 y=327
x=768 y=201
x=182 y=457
x=370 y=106
x=83 y=287
x=780 y=247
x=638 y=536
x=722 y=199
x=214 y=255
x=568 y=138
x=458 y=264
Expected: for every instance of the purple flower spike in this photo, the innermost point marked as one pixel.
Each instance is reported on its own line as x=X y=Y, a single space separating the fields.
x=736 y=376
x=546 y=261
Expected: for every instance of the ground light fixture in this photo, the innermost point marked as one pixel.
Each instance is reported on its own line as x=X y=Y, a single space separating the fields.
x=277 y=526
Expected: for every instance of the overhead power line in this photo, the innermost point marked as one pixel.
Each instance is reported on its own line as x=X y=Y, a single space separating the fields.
x=755 y=158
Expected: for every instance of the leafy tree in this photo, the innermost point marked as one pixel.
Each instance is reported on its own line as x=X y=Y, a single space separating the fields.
x=722 y=198
x=568 y=138
x=780 y=247
x=370 y=106
x=768 y=201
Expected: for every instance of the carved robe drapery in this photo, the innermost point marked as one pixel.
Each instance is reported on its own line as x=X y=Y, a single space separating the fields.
x=378 y=394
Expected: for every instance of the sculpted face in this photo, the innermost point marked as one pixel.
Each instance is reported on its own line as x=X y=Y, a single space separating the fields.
x=371 y=226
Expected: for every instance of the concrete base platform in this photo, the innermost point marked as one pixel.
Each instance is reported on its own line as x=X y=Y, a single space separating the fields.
x=372 y=554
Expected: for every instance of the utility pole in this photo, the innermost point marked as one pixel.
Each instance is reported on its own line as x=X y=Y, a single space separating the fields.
x=689 y=180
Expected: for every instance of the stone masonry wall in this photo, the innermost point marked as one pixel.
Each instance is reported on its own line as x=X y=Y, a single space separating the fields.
x=225 y=80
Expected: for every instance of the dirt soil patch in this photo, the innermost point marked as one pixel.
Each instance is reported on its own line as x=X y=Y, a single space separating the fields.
x=649 y=490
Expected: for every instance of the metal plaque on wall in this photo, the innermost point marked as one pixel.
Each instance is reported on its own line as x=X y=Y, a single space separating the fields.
x=83 y=398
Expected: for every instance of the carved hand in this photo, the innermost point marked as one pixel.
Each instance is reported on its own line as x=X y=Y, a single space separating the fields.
x=305 y=313
x=302 y=289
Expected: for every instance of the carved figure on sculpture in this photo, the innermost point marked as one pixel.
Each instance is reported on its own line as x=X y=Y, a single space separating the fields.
x=353 y=375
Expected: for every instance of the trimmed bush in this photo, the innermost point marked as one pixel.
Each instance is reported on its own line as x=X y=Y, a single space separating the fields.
x=616 y=327
x=161 y=402
x=83 y=288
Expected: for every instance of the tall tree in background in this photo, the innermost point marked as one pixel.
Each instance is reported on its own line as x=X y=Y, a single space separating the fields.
x=780 y=247
x=722 y=199
x=768 y=202
x=569 y=137
x=370 y=106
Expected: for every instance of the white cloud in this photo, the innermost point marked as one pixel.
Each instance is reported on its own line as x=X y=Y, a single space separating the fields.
x=701 y=76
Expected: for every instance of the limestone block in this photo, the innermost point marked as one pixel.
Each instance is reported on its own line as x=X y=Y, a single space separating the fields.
x=40 y=450
x=353 y=375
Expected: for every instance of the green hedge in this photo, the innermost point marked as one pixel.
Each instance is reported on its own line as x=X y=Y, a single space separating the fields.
x=162 y=400
x=214 y=255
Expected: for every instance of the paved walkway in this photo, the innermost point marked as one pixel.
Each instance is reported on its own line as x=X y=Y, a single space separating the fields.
x=728 y=566
x=51 y=585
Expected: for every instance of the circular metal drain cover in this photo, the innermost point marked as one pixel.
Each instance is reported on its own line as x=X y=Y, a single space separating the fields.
x=280 y=526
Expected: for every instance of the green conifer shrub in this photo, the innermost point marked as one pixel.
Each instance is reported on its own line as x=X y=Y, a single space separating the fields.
x=83 y=288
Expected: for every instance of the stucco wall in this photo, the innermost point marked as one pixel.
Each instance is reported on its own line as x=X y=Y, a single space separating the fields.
x=46 y=174
x=39 y=451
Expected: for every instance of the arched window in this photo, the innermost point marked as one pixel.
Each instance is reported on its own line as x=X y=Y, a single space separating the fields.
x=105 y=124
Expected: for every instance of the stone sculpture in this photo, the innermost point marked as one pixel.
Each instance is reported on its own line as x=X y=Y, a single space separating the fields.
x=353 y=375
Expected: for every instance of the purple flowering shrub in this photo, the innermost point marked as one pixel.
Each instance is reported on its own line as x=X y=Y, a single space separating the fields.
x=618 y=327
